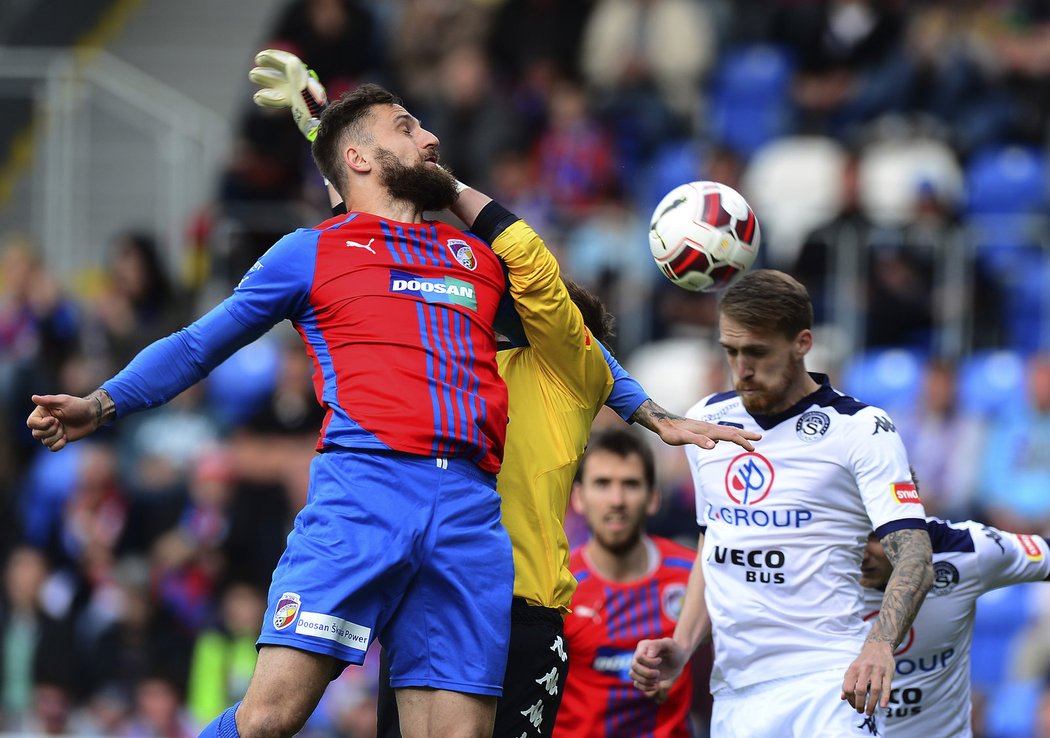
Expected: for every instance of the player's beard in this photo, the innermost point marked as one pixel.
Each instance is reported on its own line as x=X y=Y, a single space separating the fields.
x=766 y=401
x=427 y=187
x=619 y=545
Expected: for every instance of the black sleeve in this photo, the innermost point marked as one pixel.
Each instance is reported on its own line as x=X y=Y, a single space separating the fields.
x=492 y=221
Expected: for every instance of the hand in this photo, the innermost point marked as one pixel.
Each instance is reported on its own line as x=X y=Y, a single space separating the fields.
x=867 y=681
x=61 y=419
x=678 y=431
x=288 y=83
x=656 y=664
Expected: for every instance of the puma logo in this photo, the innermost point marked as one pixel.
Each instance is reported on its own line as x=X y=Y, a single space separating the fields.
x=356 y=245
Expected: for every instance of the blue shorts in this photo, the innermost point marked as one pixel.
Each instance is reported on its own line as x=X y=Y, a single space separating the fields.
x=403 y=548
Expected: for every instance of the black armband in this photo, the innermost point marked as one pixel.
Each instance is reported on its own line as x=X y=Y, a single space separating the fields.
x=492 y=221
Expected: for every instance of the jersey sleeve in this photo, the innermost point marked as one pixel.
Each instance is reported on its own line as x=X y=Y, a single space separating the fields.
x=171 y=365
x=627 y=394
x=552 y=323
x=879 y=463
x=1009 y=558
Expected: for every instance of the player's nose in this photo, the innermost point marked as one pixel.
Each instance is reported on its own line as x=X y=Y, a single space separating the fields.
x=427 y=139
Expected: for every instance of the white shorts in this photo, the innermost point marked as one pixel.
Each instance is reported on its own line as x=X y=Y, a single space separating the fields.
x=806 y=706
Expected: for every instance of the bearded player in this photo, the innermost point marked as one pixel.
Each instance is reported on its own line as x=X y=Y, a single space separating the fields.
x=775 y=582
x=630 y=584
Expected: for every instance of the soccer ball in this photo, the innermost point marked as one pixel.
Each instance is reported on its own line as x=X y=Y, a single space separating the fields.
x=702 y=234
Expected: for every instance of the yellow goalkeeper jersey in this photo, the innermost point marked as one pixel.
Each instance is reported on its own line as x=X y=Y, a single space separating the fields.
x=556 y=385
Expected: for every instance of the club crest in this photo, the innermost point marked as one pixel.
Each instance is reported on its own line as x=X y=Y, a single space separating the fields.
x=462 y=252
x=287 y=609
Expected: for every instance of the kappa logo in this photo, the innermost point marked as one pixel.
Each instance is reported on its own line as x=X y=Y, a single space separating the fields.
x=884 y=423
x=366 y=246
x=462 y=253
x=287 y=609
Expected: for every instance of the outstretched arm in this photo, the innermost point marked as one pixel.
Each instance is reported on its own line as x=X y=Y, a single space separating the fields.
x=61 y=419
x=674 y=430
x=868 y=679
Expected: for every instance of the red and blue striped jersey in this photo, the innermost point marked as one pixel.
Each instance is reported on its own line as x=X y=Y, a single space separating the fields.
x=397 y=318
x=606 y=623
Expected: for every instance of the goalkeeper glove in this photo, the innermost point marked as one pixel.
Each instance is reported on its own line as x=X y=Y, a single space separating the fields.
x=288 y=83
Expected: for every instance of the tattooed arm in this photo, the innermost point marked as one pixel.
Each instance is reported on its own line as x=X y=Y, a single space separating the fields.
x=867 y=681
x=674 y=430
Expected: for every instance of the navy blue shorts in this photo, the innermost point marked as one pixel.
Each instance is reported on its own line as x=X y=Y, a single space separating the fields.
x=403 y=548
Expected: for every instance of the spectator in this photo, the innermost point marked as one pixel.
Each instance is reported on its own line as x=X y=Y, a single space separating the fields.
x=944 y=444
x=341 y=40
x=477 y=119
x=644 y=59
x=423 y=33
x=224 y=655
x=1019 y=460
x=140 y=302
x=35 y=646
x=574 y=156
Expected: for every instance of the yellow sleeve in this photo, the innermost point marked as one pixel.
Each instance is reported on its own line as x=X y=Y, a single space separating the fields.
x=552 y=322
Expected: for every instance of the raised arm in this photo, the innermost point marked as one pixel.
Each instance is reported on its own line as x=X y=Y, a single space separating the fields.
x=868 y=679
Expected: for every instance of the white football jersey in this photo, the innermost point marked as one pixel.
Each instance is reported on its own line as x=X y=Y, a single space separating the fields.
x=786 y=527
x=931 y=689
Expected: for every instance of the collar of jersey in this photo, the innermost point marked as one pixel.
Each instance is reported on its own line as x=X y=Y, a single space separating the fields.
x=823 y=396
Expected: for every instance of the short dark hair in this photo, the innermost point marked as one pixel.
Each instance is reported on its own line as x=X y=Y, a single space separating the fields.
x=343 y=119
x=598 y=320
x=768 y=300
x=624 y=443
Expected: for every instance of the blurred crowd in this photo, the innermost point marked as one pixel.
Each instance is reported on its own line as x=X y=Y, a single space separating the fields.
x=895 y=153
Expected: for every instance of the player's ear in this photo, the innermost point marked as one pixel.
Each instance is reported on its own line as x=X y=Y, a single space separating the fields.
x=655 y=499
x=356 y=159
x=574 y=498
x=803 y=342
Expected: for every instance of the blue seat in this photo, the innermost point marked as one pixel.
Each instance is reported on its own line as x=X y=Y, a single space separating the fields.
x=1006 y=179
x=748 y=97
x=992 y=382
x=1001 y=615
x=1011 y=708
x=889 y=378
x=674 y=163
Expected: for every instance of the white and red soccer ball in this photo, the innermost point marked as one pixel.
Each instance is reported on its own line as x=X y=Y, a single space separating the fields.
x=702 y=234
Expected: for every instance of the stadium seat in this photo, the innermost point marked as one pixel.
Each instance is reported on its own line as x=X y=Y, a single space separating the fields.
x=992 y=382
x=237 y=386
x=674 y=163
x=1007 y=179
x=1001 y=615
x=794 y=185
x=894 y=172
x=1011 y=710
x=748 y=103
x=889 y=378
